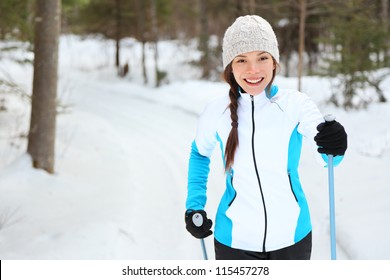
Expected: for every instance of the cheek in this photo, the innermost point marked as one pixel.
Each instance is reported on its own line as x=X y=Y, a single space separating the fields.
x=238 y=80
x=236 y=75
x=234 y=71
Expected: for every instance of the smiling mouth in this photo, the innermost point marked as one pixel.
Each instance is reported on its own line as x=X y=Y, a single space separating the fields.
x=254 y=81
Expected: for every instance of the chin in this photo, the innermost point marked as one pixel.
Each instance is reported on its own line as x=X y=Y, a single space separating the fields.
x=254 y=91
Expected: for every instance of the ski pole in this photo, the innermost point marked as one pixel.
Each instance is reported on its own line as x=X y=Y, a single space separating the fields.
x=203 y=249
x=332 y=219
x=331 y=208
x=197 y=219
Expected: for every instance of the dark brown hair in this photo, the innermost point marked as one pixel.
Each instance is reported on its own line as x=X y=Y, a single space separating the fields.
x=232 y=141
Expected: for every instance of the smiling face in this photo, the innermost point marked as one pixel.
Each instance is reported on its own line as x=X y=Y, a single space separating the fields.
x=253 y=71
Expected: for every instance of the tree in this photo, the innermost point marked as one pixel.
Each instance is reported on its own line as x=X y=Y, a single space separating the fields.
x=296 y=26
x=14 y=19
x=141 y=14
x=355 y=35
x=41 y=138
x=384 y=8
x=204 y=39
x=158 y=10
x=114 y=19
x=118 y=31
x=301 y=46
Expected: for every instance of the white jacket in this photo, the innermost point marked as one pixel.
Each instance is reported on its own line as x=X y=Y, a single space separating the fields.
x=263 y=207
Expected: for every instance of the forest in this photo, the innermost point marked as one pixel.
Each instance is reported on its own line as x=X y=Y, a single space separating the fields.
x=332 y=38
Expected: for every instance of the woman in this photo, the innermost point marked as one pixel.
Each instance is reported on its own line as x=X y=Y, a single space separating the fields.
x=263 y=213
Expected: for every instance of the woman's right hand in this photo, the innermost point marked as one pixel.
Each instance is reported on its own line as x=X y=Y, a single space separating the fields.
x=198 y=224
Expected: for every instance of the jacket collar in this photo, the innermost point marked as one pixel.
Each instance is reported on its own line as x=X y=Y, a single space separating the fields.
x=261 y=98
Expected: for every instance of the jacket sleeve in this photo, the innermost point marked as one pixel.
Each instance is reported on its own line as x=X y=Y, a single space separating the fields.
x=199 y=162
x=309 y=118
x=198 y=171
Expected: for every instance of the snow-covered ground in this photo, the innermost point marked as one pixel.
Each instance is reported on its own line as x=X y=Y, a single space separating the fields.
x=121 y=164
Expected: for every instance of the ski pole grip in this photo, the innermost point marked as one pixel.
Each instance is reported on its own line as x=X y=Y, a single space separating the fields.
x=329 y=118
x=197 y=219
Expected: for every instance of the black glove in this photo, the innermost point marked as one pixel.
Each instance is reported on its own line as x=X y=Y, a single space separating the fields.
x=197 y=223
x=331 y=138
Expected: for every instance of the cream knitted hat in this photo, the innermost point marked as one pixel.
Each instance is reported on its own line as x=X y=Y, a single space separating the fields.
x=249 y=33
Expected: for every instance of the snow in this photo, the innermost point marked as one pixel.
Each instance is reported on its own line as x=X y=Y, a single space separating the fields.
x=122 y=150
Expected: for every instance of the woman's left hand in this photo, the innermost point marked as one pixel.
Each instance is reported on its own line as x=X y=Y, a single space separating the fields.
x=331 y=138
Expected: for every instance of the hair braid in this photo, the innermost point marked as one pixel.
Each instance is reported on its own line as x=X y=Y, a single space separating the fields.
x=232 y=141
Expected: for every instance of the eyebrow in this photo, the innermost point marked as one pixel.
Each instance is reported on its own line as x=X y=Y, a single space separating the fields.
x=260 y=53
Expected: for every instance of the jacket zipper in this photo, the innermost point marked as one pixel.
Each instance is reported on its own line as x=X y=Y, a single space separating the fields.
x=257 y=172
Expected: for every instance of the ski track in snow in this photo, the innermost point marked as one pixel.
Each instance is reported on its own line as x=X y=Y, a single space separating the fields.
x=151 y=128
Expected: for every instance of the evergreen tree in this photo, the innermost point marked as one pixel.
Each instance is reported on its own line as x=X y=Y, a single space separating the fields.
x=355 y=36
x=16 y=20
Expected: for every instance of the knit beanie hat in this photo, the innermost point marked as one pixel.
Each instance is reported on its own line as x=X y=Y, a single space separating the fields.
x=249 y=33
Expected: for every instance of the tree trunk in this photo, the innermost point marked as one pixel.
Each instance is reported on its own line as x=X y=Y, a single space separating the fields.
x=204 y=39
x=385 y=22
x=118 y=23
x=301 y=49
x=252 y=7
x=154 y=14
x=141 y=15
x=143 y=63
x=41 y=139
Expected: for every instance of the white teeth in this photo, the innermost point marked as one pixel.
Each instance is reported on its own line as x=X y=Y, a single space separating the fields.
x=254 y=81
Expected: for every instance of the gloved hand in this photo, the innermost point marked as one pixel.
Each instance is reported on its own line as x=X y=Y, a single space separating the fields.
x=331 y=138
x=197 y=223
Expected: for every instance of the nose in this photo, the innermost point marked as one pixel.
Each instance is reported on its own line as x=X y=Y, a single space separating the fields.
x=252 y=67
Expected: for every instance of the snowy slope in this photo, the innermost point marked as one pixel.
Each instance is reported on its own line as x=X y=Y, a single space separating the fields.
x=121 y=165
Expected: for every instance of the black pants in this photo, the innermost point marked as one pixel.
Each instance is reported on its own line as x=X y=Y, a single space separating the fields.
x=298 y=251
